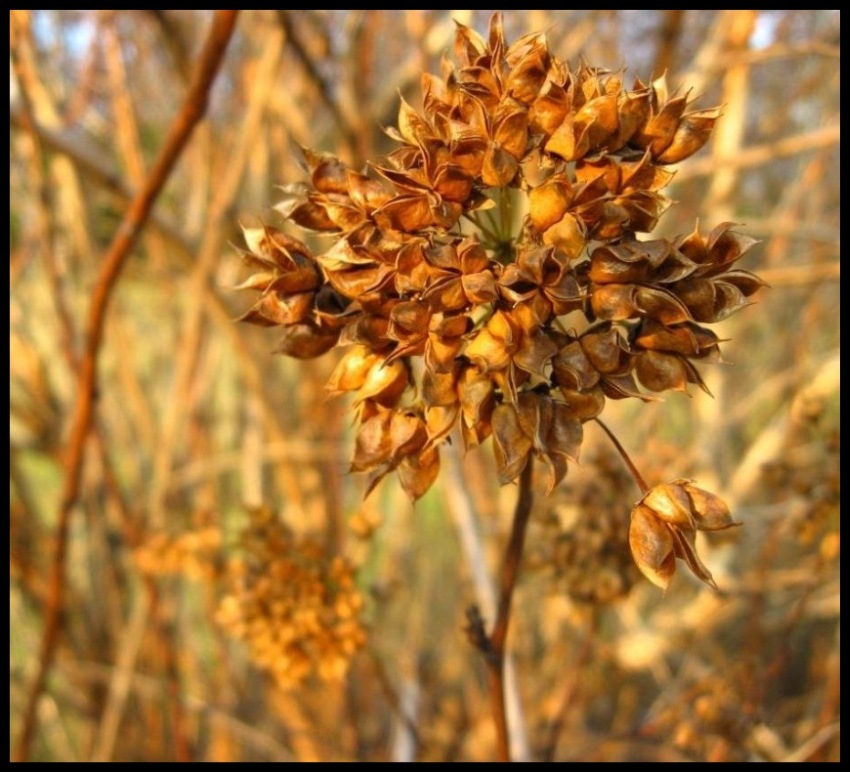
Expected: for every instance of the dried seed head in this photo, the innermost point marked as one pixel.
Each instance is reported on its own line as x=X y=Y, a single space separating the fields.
x=652 y=546
x=424 y=257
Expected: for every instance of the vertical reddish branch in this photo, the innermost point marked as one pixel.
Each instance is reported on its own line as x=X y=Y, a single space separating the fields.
x=498 y=637
x=113 y=261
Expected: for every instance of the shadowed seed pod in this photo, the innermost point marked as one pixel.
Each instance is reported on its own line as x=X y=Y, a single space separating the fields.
x=515 y=197
x=587 y=549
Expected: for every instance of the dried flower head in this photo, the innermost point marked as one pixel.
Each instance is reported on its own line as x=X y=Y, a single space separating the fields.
x=297 y=608
x=516 y=196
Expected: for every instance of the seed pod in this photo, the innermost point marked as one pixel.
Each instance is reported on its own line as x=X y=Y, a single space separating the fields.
x=664 y=526
x=651 y=542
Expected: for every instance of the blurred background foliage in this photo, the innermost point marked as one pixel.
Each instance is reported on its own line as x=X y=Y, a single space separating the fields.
x=199 y=428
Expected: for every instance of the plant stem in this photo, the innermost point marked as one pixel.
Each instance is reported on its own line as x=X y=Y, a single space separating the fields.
x=638 y=477
x=488 y=232
x=504 y=219
x=507 y=582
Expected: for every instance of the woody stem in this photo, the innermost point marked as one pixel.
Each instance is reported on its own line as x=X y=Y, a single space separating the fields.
x=507 y=581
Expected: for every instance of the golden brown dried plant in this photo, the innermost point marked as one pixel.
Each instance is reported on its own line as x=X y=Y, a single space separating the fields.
x=492 y=272
x=192 y=553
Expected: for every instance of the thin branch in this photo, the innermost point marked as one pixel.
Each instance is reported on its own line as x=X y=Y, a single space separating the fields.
x=814 y=743
x=771 y=54
x=668 y=39
x=403 y=712
x=175 y=40
x=190 y=114
x=570 y=689
x=90 y=162
x=785 y=223
x=189 y=347
x=713 y=450
x=801 y=275
x=636 y=475
x=507 y=582
x=322 y=86
x=761 y=154
x=68 y=193
x=121 y=678
x=150 y=689
x=85 y=158
x=93 y=167
x=767 y=445
x=44 y=218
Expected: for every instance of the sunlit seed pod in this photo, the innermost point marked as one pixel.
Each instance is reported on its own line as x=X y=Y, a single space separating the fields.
x=671 y=504
x=652 y=546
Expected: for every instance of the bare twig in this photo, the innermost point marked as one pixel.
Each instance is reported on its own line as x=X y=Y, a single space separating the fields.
x=768 y=442
x=720 y=203
x=189 y=347
x=175 y=40
x=85 y=88
x=668 y=38
x=89 y=163
x=190 y=114
x=322 y=86
x=761 y=154
x=633 y=470
x=45 y=220
x=181 y=744
x=93 y=167
x=729 y=133
x=786 y=225
x=67 y=191
x=403 y=706
x=498 y=636
x=127 y=134
x=824 y=735
x=121 y=678
x=85 y=158
x=801 y=275
x=570 y=689
x=771 y=54
x=150 y=689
